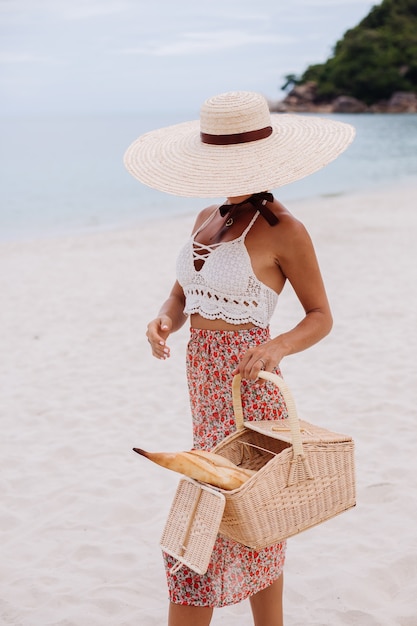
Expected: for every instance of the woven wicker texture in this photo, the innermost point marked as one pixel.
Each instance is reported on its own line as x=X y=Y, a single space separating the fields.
x=192 y=524
x=305 y=475
x=175 y=160
x=302 y=479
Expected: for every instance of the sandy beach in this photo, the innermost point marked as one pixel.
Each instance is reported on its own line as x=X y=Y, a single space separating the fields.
x=81 y=515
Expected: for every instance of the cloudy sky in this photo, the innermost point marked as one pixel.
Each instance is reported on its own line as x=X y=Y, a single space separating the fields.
x=140 y=55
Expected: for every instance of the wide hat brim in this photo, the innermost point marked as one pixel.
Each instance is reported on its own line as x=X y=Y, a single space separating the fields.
x=176 y=161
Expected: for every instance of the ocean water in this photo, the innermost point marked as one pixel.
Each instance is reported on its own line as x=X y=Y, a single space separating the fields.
x=62 y=174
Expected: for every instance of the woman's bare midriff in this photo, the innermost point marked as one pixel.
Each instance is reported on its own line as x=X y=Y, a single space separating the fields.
x=197 y=321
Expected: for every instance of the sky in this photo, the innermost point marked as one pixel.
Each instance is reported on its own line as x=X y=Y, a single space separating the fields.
x=99 y=56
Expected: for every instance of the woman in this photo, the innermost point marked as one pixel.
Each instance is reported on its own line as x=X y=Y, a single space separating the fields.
x=229 y=276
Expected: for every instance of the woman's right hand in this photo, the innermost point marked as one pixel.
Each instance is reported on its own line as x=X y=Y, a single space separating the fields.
x=158 y=332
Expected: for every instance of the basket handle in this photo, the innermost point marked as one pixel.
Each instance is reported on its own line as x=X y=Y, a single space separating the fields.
x=293 y=420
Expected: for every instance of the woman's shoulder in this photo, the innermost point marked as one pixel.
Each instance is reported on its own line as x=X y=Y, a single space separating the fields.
x=204 y=215
x=287 y=221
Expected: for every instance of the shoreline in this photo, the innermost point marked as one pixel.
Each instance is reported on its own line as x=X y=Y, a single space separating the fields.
x=408 y=182
x=81 y=516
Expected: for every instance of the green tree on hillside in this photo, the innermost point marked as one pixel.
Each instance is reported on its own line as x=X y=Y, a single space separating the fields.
x=374 y=59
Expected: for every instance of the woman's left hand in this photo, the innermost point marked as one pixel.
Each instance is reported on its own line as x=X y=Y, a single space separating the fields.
x=264 y=357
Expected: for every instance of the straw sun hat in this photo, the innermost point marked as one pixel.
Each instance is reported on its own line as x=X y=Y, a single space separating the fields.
x=236 y=148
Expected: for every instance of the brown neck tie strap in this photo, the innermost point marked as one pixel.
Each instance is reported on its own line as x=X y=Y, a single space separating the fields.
x=258 y=201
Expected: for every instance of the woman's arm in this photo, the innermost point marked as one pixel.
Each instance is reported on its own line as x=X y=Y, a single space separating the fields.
x=298 y=262
x=171 y=314
x=170 y=319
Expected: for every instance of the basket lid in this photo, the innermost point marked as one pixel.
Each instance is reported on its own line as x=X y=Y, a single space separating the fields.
x=310 y=433
x=193 y=523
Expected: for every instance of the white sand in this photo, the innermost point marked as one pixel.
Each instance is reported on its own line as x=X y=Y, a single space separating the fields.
x=81 y=515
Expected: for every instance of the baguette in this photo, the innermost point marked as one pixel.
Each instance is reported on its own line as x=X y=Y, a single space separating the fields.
x=199 y=467
x=222 y=461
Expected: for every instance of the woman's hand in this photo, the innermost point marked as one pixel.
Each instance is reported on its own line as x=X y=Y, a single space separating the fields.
x=266 y=357
x=158 y=332
x=169 y=320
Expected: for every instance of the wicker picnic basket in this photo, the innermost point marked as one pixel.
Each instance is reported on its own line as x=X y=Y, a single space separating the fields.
x=304 y=475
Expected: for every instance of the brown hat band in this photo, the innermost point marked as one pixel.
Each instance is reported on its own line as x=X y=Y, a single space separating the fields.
x=247 y=137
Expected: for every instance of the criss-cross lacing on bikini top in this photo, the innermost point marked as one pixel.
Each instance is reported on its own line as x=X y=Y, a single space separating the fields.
x=225 y=286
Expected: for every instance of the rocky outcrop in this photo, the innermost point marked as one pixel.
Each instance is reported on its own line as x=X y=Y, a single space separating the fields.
x=302 y=95
x=403 y=102
x=303 y=98
x=400 y=102
x=347 y=104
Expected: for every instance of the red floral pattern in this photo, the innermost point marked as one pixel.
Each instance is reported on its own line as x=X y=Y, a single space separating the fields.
x=235 y=572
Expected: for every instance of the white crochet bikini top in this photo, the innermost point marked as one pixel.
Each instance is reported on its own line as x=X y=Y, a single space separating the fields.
x=225 y=287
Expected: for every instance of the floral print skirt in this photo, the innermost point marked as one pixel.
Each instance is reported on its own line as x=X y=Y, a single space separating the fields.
x=235 y=572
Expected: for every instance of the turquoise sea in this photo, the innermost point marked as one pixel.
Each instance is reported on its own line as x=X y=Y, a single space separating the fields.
x=63 y=174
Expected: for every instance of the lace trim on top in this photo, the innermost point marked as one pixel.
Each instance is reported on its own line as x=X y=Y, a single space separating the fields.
x=225 y=287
